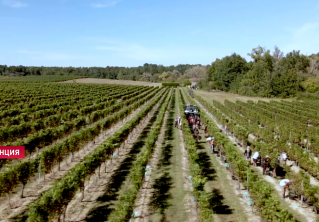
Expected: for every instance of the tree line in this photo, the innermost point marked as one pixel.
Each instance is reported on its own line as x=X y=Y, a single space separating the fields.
x=147 y=72
x=267 y=75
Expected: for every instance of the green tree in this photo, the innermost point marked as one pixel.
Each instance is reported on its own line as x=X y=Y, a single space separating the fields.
x=223 y=72
x=120 y=75
x=295 y=61
x=285 y=83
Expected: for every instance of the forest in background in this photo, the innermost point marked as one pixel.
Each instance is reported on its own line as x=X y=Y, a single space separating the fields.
x=147 y=72
x=268 y=74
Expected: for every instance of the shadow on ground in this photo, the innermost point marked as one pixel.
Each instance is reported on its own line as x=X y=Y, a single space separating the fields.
x=205 y=163
x=161 y=195
x=105 y=203
x=165 y=159
x=216 y=203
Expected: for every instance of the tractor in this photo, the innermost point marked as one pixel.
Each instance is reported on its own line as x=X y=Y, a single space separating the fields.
x=191 y=110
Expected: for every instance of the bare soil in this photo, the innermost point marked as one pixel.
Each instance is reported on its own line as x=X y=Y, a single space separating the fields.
x=37 y=185
x=113 y=81
x=190 y=205
x=238 y=190
x=143 y=200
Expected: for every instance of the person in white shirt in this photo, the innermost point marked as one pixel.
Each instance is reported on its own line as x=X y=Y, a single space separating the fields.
x=284 y=156
x=285 y=183
x=255 y=157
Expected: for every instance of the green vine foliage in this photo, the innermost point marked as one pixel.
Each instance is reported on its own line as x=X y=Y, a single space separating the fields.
x=56 y=199
x=126 y=201
x=261 y=192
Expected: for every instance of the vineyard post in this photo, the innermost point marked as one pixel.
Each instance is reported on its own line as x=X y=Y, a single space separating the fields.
x=248 y=195
x=8 y=197
x=301 y=193
x=290 y=139
x=105 y=164
x=64 y=213
x=39 y=171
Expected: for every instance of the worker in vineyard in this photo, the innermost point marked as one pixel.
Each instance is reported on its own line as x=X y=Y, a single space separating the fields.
x=196 y=133
x=176 y=122
x=180 y=123
x=284 y=157
x=205 y=130
x=285 y=183
x=247 y=153
x=266 y=163
x=277 y=165
x=212 y=144
x=255 y=157
x=209 y=140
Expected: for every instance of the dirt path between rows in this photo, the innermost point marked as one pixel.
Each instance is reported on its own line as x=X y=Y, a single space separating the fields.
x=190 y=205
x=306 y=213
x=37 y=185
x=229 y=195
x=95 y=186
x=143 y=199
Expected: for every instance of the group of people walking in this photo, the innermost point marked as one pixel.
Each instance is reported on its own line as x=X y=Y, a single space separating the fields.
x=195 y=125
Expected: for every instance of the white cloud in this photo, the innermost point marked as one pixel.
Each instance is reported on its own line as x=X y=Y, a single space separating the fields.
x=14 y=4
x=304 y=38
x=105 y=5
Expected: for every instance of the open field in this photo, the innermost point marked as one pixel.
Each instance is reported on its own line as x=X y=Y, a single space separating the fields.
x=222 y=96
x=114 y=81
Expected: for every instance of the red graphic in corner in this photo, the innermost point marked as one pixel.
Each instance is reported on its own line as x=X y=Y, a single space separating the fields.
x=12 y=152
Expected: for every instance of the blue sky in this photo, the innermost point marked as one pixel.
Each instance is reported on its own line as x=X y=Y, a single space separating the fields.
x=133 y=32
